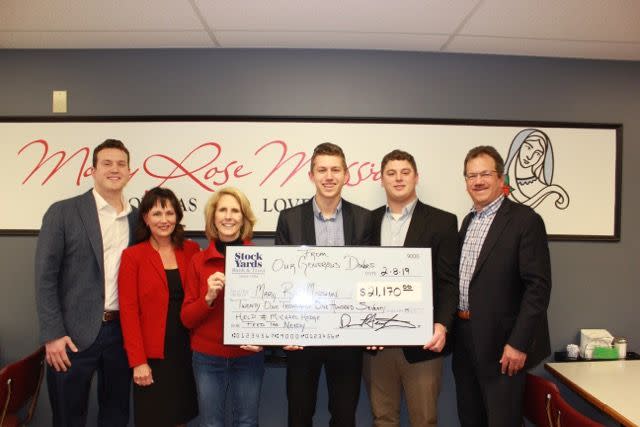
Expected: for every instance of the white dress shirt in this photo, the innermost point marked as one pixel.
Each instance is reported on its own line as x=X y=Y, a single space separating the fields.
x=114 y=228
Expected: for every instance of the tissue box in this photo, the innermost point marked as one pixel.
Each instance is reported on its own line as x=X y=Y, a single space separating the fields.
x=592 y=338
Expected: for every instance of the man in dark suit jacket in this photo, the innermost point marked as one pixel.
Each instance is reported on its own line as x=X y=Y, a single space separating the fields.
x=505 y=285
x=76 y=268
x=325 y=220
x=405 y=221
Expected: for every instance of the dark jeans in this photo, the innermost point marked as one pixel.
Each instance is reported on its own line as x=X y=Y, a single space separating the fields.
x=343 y=369
x=69 y=391
x=240 y=376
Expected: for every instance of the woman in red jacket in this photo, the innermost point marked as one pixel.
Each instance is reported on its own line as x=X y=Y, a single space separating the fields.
x=150 y=286
x=221 y=369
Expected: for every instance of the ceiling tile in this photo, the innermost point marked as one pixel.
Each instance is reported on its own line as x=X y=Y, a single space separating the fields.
x=595 y=20
x=329 y=40
x=581 y=28
x=97 y=15
x=104 y=40
x=407 y=16
x=551 y=48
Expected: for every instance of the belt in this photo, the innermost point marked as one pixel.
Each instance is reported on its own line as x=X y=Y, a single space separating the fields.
x=108 y=316
x=464 y=314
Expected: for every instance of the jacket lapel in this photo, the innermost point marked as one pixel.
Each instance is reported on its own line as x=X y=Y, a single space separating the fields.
x=182 y=265
x=497 y=226
x=88 y=212
x=463 y=228
x=156 y=262
x=347 y=223
x=132 y=218
x=377 y=217
x=417 y=226
x=308 y=224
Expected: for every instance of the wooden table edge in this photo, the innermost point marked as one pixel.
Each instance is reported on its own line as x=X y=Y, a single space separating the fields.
x=590 y=398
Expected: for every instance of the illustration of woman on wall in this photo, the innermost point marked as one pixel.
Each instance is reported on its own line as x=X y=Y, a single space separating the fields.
x=529 y=170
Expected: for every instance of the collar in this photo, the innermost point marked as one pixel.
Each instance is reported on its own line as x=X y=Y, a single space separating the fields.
x=490 y=209
x=407 y=210
x=101 y=204
x=318 y=214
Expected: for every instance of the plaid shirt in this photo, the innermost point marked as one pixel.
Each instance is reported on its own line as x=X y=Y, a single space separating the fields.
x=473 y=241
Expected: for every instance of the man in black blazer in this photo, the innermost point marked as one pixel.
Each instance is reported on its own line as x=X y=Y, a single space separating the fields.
x=405 y=221
x=325 y=220
x=505 y=285
x=76 y=269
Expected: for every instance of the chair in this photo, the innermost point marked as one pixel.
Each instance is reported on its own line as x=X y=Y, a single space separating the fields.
x=20 y=383
x=567 y=416
x=544 y=406
x=539 y=395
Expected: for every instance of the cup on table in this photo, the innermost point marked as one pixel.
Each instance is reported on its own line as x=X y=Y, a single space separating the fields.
x=572 y=351
x=620 y=344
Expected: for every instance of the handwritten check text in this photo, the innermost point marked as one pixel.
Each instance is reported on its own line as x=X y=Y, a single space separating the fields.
x=328 y=296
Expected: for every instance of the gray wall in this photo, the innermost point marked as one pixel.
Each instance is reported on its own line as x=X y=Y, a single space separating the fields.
x=594 y=282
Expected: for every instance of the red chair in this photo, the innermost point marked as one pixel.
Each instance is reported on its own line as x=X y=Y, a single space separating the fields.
x=20 y=383
x=539 y=396
x=567 y=416
x=544 y=406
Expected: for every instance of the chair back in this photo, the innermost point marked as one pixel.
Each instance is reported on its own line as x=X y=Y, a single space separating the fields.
x=539 y=396
x=20 y=383
x=568 y=416
x=544 y=406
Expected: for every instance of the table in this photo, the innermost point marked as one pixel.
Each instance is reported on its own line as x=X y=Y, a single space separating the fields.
x=611 y=386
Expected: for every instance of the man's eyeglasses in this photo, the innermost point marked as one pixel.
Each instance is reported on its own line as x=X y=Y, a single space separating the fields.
x=472 y=176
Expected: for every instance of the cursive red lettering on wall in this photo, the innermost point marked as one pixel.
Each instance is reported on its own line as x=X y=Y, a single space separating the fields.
x=361 y=172
x=302 y=161
x=216 y=174
x=62 y=161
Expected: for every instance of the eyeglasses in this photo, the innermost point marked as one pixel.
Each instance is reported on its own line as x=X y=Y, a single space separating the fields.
x=472 y=176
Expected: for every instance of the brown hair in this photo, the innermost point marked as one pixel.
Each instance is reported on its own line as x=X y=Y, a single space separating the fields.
x=163 y=196
x=109 y=143
x=488 y=151
x=249 y=219
x=398 y=155
x=328 y=149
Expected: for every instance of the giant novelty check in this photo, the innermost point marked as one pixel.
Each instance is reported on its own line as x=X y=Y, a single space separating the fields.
x=324 y=296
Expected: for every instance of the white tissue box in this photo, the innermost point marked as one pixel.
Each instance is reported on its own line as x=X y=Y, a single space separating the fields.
x=591 y=338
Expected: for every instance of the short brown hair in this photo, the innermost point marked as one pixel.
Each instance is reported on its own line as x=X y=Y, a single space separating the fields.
x=249 y=219
x=163 y=196
x=109 y=143
x=398 y=155
x=488 y=151
x=328 y=149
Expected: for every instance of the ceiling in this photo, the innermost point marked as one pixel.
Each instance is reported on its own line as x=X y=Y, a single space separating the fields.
x=601 y=29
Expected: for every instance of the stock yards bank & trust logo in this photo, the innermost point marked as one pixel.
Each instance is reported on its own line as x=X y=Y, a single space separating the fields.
x=248 y=262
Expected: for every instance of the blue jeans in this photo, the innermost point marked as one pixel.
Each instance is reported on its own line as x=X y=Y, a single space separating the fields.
x=241 y=377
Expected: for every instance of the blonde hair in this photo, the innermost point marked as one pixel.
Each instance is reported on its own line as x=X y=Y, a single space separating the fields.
x=249 y=219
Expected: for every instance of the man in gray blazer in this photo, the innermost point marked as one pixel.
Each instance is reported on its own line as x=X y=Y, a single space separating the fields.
x=76 y=269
